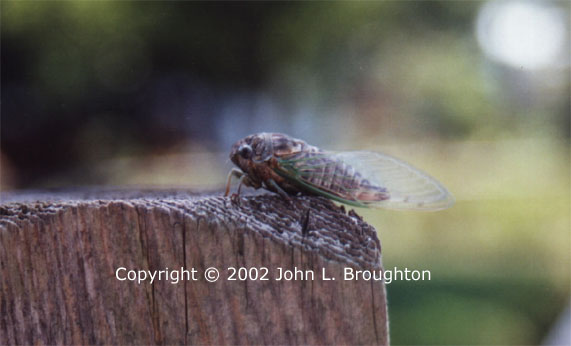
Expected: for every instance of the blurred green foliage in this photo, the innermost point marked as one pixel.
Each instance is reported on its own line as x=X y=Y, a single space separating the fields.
x=500 y=258
x=472 y=311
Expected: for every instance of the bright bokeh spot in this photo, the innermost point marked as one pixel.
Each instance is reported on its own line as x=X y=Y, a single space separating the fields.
x=523 y=34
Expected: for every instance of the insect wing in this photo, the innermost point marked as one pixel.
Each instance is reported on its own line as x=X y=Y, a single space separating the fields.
x=369 y=179
x=319 y=172
x=408 y=187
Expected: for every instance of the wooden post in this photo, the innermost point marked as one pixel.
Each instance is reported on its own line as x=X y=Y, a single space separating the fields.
x=60 y=255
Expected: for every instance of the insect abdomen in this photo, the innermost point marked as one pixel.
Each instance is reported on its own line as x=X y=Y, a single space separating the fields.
x=339 y=178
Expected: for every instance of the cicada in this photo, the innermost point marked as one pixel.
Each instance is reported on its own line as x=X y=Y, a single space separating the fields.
x=289 y=166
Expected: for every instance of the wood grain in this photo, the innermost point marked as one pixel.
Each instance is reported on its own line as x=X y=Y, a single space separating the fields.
x=59 y=253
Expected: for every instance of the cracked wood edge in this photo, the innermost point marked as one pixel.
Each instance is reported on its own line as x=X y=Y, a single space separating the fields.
x=59 y=253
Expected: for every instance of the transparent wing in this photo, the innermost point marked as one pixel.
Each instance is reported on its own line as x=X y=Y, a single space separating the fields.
x=407 y=186
x=369 y=179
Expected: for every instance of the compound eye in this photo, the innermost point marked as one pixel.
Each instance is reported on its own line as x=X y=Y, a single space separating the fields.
x=245 y=151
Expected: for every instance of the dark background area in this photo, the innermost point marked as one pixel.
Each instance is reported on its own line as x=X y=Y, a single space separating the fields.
x=87 y=81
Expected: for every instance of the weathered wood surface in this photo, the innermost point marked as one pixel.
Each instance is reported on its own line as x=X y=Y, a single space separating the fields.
x=59 y=254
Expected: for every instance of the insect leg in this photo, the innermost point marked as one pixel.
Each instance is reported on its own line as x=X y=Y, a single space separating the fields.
x=278 y=189
x=234 y=172
x=243 y=181
x=236 y=196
